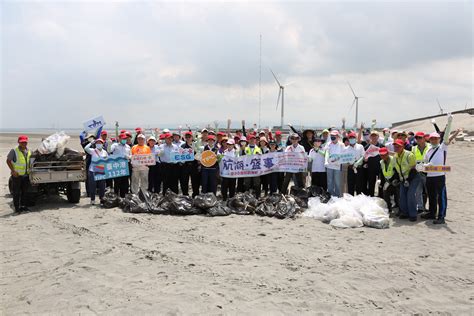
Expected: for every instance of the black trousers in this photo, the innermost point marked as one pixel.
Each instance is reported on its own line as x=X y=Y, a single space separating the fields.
x=369 y=177
x=170 y=176
x=253 y=183
x=299 y=181
x=388 y=193
x=228 y=186
x=437 y=196
x=265 y=181
x=319 y=179
x=19 y=188
x=121 y=186
x=190 y=170
x=209 y=180
x=273 y=181
x=155 y=178
x=354 y=181
x=240 y=184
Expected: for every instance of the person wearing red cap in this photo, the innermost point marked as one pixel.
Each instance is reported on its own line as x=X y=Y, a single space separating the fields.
x=190 y=169
x=436 y=181
x=209 y=174
x=169 y=168
x=420 y=150
x=298 y=177
x=228 y=184
x=18 y=160
x=405 y=164
x=98 y=152
x=138 y=131
x=140 y=172
x=279 y=140
x=389 y=179
x=354 y=170
x=253 y=182
x=122 y=149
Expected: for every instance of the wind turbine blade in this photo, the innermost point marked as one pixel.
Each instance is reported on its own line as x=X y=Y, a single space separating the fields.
x=439 y=104
x=353 y=102
x=279 y=84
x=278 y=100
x=351 y=89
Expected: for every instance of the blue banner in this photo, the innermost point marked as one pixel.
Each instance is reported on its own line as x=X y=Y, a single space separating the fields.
x=111 y=167
x=182 y=155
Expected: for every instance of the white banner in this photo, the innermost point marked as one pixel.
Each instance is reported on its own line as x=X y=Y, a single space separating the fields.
x=143 y=160
x=257 y=165
x=94 y=124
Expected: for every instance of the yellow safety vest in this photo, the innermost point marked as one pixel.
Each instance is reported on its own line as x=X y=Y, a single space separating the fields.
x=404 y=163
x=420 y=156
x=389 y=171
x=256 y=151
x=21 y=165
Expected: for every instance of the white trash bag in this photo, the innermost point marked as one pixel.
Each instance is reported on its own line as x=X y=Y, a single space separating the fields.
x=54 y=143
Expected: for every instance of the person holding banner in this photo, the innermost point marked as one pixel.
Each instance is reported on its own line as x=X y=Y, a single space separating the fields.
x=372 y=162
x=275 y=179
x=253 y=182
x=241 y=152
x=295 y=147
x=354 y=170
x=436 y=181
x=318 y=171
x=140 y=171
x=228 y=184
x=190 y=169
x=121 y=185
x=95 y=153
x=209 y=173
x=169 y=168
x=333 y=165
x=389 y=178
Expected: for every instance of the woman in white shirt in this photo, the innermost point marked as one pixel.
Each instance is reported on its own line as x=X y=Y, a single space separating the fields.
x=333 y=166
x=96 y=153
x=228 y=184
x=318 y=171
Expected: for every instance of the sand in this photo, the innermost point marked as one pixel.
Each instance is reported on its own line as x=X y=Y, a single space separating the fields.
x=78 y=259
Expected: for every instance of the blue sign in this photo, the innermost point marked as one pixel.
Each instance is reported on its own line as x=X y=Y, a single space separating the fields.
x=111 y=167
x=182 y=155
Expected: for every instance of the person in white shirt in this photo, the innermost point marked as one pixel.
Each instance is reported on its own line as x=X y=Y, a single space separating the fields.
x=317 y=158
x=122 y=149
x=96 y=153
x=354 y=171
x=228 y=184
x=436 y=181
x=299 y=176
x=332 y=163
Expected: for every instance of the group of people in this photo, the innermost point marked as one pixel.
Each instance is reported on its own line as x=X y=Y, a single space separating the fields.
x=393 y=159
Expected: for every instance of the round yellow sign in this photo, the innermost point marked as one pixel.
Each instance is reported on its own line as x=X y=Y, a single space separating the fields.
x=208 y=158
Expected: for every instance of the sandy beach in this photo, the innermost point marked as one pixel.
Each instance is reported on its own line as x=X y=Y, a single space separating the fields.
x=81 y=259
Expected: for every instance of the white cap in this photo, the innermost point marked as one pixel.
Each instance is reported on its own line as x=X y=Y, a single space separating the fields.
x=231 y=142
x=152 y=138
x=166 y=131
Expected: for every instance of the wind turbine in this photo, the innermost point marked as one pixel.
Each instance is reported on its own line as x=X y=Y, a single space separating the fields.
x=356 y=101
x=441 y=111
x=281 y=93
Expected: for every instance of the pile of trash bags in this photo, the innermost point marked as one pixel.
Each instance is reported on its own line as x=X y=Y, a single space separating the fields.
x=274 y=205
x=350 y=211
x=53 y=148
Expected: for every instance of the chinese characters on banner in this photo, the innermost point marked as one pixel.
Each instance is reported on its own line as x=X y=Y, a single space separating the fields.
x=372 y=151
x=94 y=124
x=257 y=165
x=342 y=158
x=144 y=160
x=110 y=167
x=182 y=155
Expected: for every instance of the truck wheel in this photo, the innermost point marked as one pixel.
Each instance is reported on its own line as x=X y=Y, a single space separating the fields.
x=73 y=194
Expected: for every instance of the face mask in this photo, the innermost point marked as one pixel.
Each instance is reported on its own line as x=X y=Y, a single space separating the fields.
x=434 y=146
x=99 y=146
x=333 y=138
x=352 y=141
x=123 y=141
x=90 y=139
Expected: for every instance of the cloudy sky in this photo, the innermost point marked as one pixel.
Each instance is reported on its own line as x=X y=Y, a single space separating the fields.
x=165 y=64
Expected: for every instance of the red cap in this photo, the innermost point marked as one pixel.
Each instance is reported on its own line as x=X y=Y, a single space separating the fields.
x=112 y=139
x=138 y=129
x=252 y=136
x=352 y=134
x=383 y=151
x=420 y=134
x=399 y=142
x=123 y=131
x=103 y=133
x=188 y=133
x=168 y=135
x=277 y=133
x=221 y=134
x=123 y=136
x=211 y=137
x=22 y=139
x=128 y=134
x=162 y=136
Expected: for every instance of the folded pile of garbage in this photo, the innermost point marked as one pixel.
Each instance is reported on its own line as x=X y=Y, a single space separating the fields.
x=53 y=148
x=275 y=205
x=350 y=211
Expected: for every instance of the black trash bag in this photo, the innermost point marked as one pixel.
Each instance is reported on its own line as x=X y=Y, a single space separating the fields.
x=265 y=209
x=302 y=193
x=286 y=208
x=133 y=204
x=156 y=205
x=302 y=203
x=181 y=204
x=110 y=200
x=316 y=191
x=219 y=210
x=243 y=203
x=205 y=201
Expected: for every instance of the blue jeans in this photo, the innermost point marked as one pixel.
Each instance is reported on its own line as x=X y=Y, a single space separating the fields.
x=408 y=197
x=334 y=181
x=420 y=205
x=93 y=185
